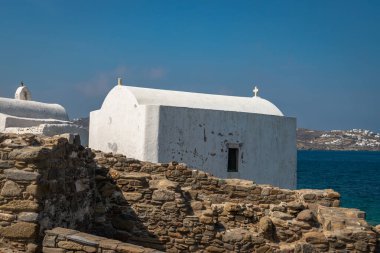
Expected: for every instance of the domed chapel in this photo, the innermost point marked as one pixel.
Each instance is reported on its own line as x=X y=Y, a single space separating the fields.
x=227 y=136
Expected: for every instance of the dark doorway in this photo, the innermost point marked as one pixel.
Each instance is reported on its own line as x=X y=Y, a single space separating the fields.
x=233 y=160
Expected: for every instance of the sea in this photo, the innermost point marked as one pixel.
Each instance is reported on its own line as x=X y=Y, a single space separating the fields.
x=354 y=174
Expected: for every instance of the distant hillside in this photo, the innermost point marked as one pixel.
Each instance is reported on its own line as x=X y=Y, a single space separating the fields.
x=355 y=139
x=83 y=122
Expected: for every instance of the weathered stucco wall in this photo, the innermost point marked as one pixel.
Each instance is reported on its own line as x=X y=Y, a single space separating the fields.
x=200 y=139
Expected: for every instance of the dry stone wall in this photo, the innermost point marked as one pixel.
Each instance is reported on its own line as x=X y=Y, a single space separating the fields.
x=178 y=209
x=47 y=183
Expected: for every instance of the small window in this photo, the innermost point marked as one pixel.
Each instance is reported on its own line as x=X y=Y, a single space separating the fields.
x=233 y=160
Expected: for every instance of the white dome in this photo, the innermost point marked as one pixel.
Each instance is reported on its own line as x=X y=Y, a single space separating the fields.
x=146 y=96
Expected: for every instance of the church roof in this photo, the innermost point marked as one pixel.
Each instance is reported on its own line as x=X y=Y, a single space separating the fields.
x=147 y=96
x=32 y=109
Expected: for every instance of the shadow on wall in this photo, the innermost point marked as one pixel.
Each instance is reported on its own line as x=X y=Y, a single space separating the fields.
x=114 y=216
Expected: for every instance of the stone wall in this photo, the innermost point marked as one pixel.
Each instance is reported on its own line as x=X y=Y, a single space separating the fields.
x=60 y=240
x=177 y=209
x=44 y=182
x=54 y=182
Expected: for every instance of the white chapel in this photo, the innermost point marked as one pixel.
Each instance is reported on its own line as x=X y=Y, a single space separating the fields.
x=227 y=136
x=23 y=115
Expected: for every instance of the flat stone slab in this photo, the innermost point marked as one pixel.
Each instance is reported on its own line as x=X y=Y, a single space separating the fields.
x=20 y=205
x=29 y=154
x=27 y=216
x=82 y=240
x=135 y=175
x=20 y=175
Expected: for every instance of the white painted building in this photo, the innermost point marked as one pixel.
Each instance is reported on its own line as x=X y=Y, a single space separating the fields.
x=229 y=137
x=22 y=115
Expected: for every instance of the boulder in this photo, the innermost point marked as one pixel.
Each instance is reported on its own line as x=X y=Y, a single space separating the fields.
x=267 y=228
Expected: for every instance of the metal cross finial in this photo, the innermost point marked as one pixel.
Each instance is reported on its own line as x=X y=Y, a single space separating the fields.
x=255 y=91
x=22 y=83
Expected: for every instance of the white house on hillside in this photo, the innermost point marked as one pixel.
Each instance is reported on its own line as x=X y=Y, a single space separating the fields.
x=229 y=137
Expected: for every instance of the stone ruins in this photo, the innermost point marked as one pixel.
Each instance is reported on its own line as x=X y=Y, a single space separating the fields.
x=58 y=196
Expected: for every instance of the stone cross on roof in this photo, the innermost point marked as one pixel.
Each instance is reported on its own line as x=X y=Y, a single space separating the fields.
x=255 y=91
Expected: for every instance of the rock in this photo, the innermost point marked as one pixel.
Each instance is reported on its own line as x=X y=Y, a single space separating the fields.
x=282 y=216
x=89 y=249
x=309 y=196
x=7 y=217
x=31 y=248
x=169 y=206
x=361 y=246
x=232 y=207
x=53 y=250
x=27 y=216
x=214 y=249
x=49 y=241
x=132 y=196
x=32 y=189
x=163 y=184
x=315 y=238
x=20 y=230
x=263 y=249
x=20 y=205
x=306 y=215
x=206 y=219
x=10 y=189
x=294 y=205
x=128 y=248
x=234 y=235
x=196 y=205
x=69 y=245
x=29 y=154
x=4 y=165
x=163 y=195
x=266 y=228
x=20 y=175
x=332 y=194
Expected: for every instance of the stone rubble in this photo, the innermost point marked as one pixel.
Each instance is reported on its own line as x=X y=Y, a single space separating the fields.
x=51 y=189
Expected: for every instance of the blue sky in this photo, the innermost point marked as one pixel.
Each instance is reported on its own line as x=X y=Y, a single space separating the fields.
x=318 y=61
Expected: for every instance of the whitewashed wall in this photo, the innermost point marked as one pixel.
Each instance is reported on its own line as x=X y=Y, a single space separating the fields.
x=199 y=138
x=120 y=126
